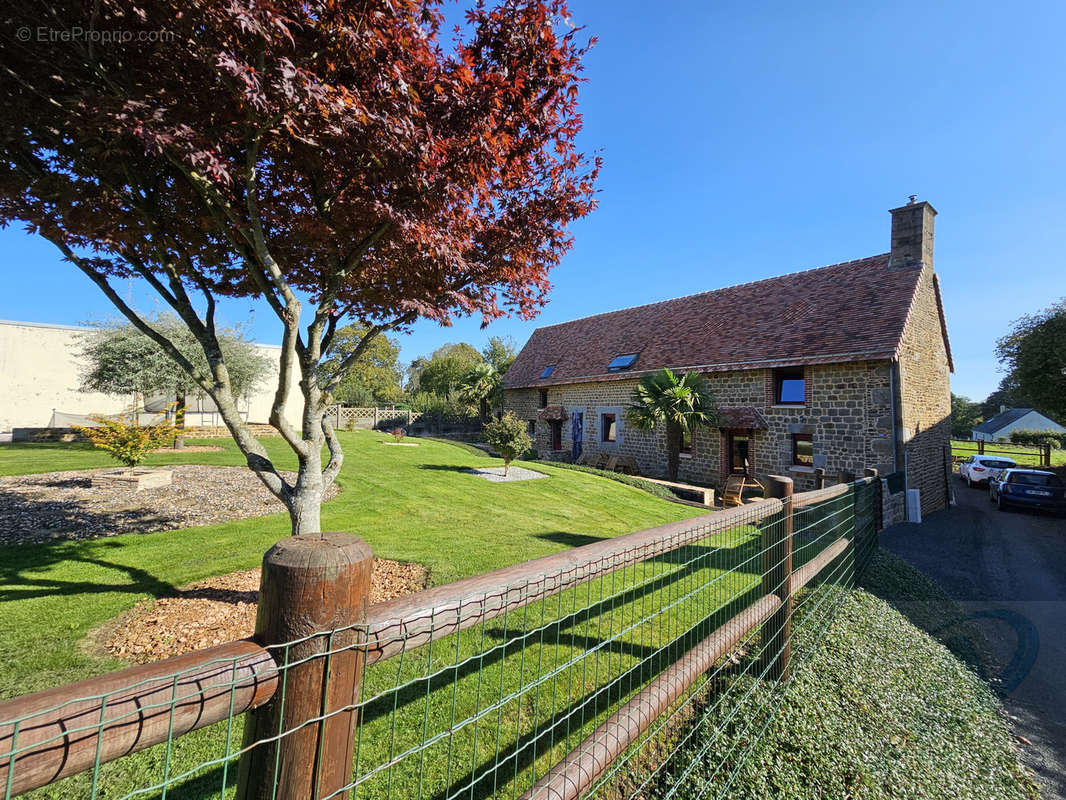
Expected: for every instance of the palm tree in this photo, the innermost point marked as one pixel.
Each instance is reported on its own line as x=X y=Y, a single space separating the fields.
x=480 y=386
x=682 y=404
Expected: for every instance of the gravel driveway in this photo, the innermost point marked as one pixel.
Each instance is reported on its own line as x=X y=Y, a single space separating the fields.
x=1008 y=572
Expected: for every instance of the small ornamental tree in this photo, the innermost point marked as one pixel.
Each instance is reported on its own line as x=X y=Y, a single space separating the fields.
x=334 y=161
x=508 y=437
x=125 y=440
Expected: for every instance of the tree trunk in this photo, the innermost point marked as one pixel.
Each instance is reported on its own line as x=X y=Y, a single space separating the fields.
x=305 y=512
x=484 y=408
x=305 y=505
x=179 y=421
x=673 y=451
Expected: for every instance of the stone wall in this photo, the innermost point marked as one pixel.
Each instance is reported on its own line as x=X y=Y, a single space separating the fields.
x=848 y=413
x=925 y=399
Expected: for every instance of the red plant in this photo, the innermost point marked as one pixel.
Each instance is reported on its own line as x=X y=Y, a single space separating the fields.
x=348 y=156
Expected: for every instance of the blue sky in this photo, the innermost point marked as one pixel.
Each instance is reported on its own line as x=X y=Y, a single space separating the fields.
x=746 y=140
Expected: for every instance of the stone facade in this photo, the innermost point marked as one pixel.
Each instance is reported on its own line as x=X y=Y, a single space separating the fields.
x=925 y=398
x=847 y=413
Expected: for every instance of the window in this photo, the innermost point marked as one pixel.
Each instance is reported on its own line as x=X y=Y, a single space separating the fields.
x=543 y=398
x=557 y=434
x=608 y=428
x=547 y=372
x=622 y=363
x=686 y=442
x=531 y=427
x=802 y=450
x=790 y=387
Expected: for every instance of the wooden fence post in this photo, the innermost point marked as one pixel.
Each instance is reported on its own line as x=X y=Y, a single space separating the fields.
x=819 y=478
x=1046 y=454
x=980 y=447
x=310 y=584
x=777 y=580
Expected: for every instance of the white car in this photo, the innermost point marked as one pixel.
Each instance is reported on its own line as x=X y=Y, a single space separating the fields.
x=980 y=469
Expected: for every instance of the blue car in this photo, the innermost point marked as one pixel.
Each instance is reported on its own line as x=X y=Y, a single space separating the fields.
x=1028 y=488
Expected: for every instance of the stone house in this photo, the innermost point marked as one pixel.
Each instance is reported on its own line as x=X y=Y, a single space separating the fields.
x=843 y=367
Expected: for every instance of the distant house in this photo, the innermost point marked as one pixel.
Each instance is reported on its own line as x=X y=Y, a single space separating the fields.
x=1000 y=427
x=843 y=367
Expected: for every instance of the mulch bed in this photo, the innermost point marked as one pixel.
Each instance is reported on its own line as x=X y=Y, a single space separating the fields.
x=65 y=505
x=222 y=609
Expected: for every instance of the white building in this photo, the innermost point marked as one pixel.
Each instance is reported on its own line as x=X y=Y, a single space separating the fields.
x=40 y=373
x=1000 y=427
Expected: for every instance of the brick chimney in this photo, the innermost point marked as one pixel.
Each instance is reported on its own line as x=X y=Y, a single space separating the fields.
x=912 y=234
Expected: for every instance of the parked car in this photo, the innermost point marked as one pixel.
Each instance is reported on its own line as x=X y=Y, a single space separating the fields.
x=981 y=469
x=1028 y=488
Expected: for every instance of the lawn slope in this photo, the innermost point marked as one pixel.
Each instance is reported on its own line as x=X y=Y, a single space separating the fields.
x=408 y=503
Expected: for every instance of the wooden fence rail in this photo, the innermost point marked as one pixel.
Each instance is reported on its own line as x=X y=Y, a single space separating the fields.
x=319 y=634
x=1037 y=455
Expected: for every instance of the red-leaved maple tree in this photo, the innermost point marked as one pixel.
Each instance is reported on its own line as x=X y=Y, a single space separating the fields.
x=337 y=160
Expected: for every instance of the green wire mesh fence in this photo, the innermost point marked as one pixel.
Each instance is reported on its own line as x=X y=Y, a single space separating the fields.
x=608 y=670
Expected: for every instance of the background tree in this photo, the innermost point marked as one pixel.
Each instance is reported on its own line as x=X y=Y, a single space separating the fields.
x=374 y=377
x=340 y=156
x=446 y=367
x=1034 y=354
x=500 y=352
x=680 y=404
x=965 y=415
x=508 y=437
x=1004 y=395
x=120 y=360
x=482 y=386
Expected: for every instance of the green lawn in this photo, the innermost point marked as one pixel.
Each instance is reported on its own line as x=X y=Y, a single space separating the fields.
x=1021 y=455
x=410 y=504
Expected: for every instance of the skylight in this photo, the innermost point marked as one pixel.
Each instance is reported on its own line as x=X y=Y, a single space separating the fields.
x=547 y=372
x=622 y=363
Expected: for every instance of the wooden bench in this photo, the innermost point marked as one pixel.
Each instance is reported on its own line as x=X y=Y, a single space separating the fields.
x=626 y=464
x=597 y=460
x=697 y=494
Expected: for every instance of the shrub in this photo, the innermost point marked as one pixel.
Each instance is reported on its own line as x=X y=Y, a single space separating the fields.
x=125 y=440
x=398 y=434
x=1037 y=438
x=508 y=436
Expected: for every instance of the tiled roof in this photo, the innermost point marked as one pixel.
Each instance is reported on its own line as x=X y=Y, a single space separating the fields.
x=845 y=312
x=741 y=417
x=1002 y=420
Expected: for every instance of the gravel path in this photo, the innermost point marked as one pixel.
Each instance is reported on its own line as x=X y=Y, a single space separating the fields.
x=495 y=474
x=65 y=505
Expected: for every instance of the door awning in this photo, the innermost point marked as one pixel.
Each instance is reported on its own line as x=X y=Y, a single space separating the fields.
x=741 y=417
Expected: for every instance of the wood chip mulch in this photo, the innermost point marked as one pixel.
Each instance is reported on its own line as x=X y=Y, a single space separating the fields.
x=65 y=505
x=222 y=609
